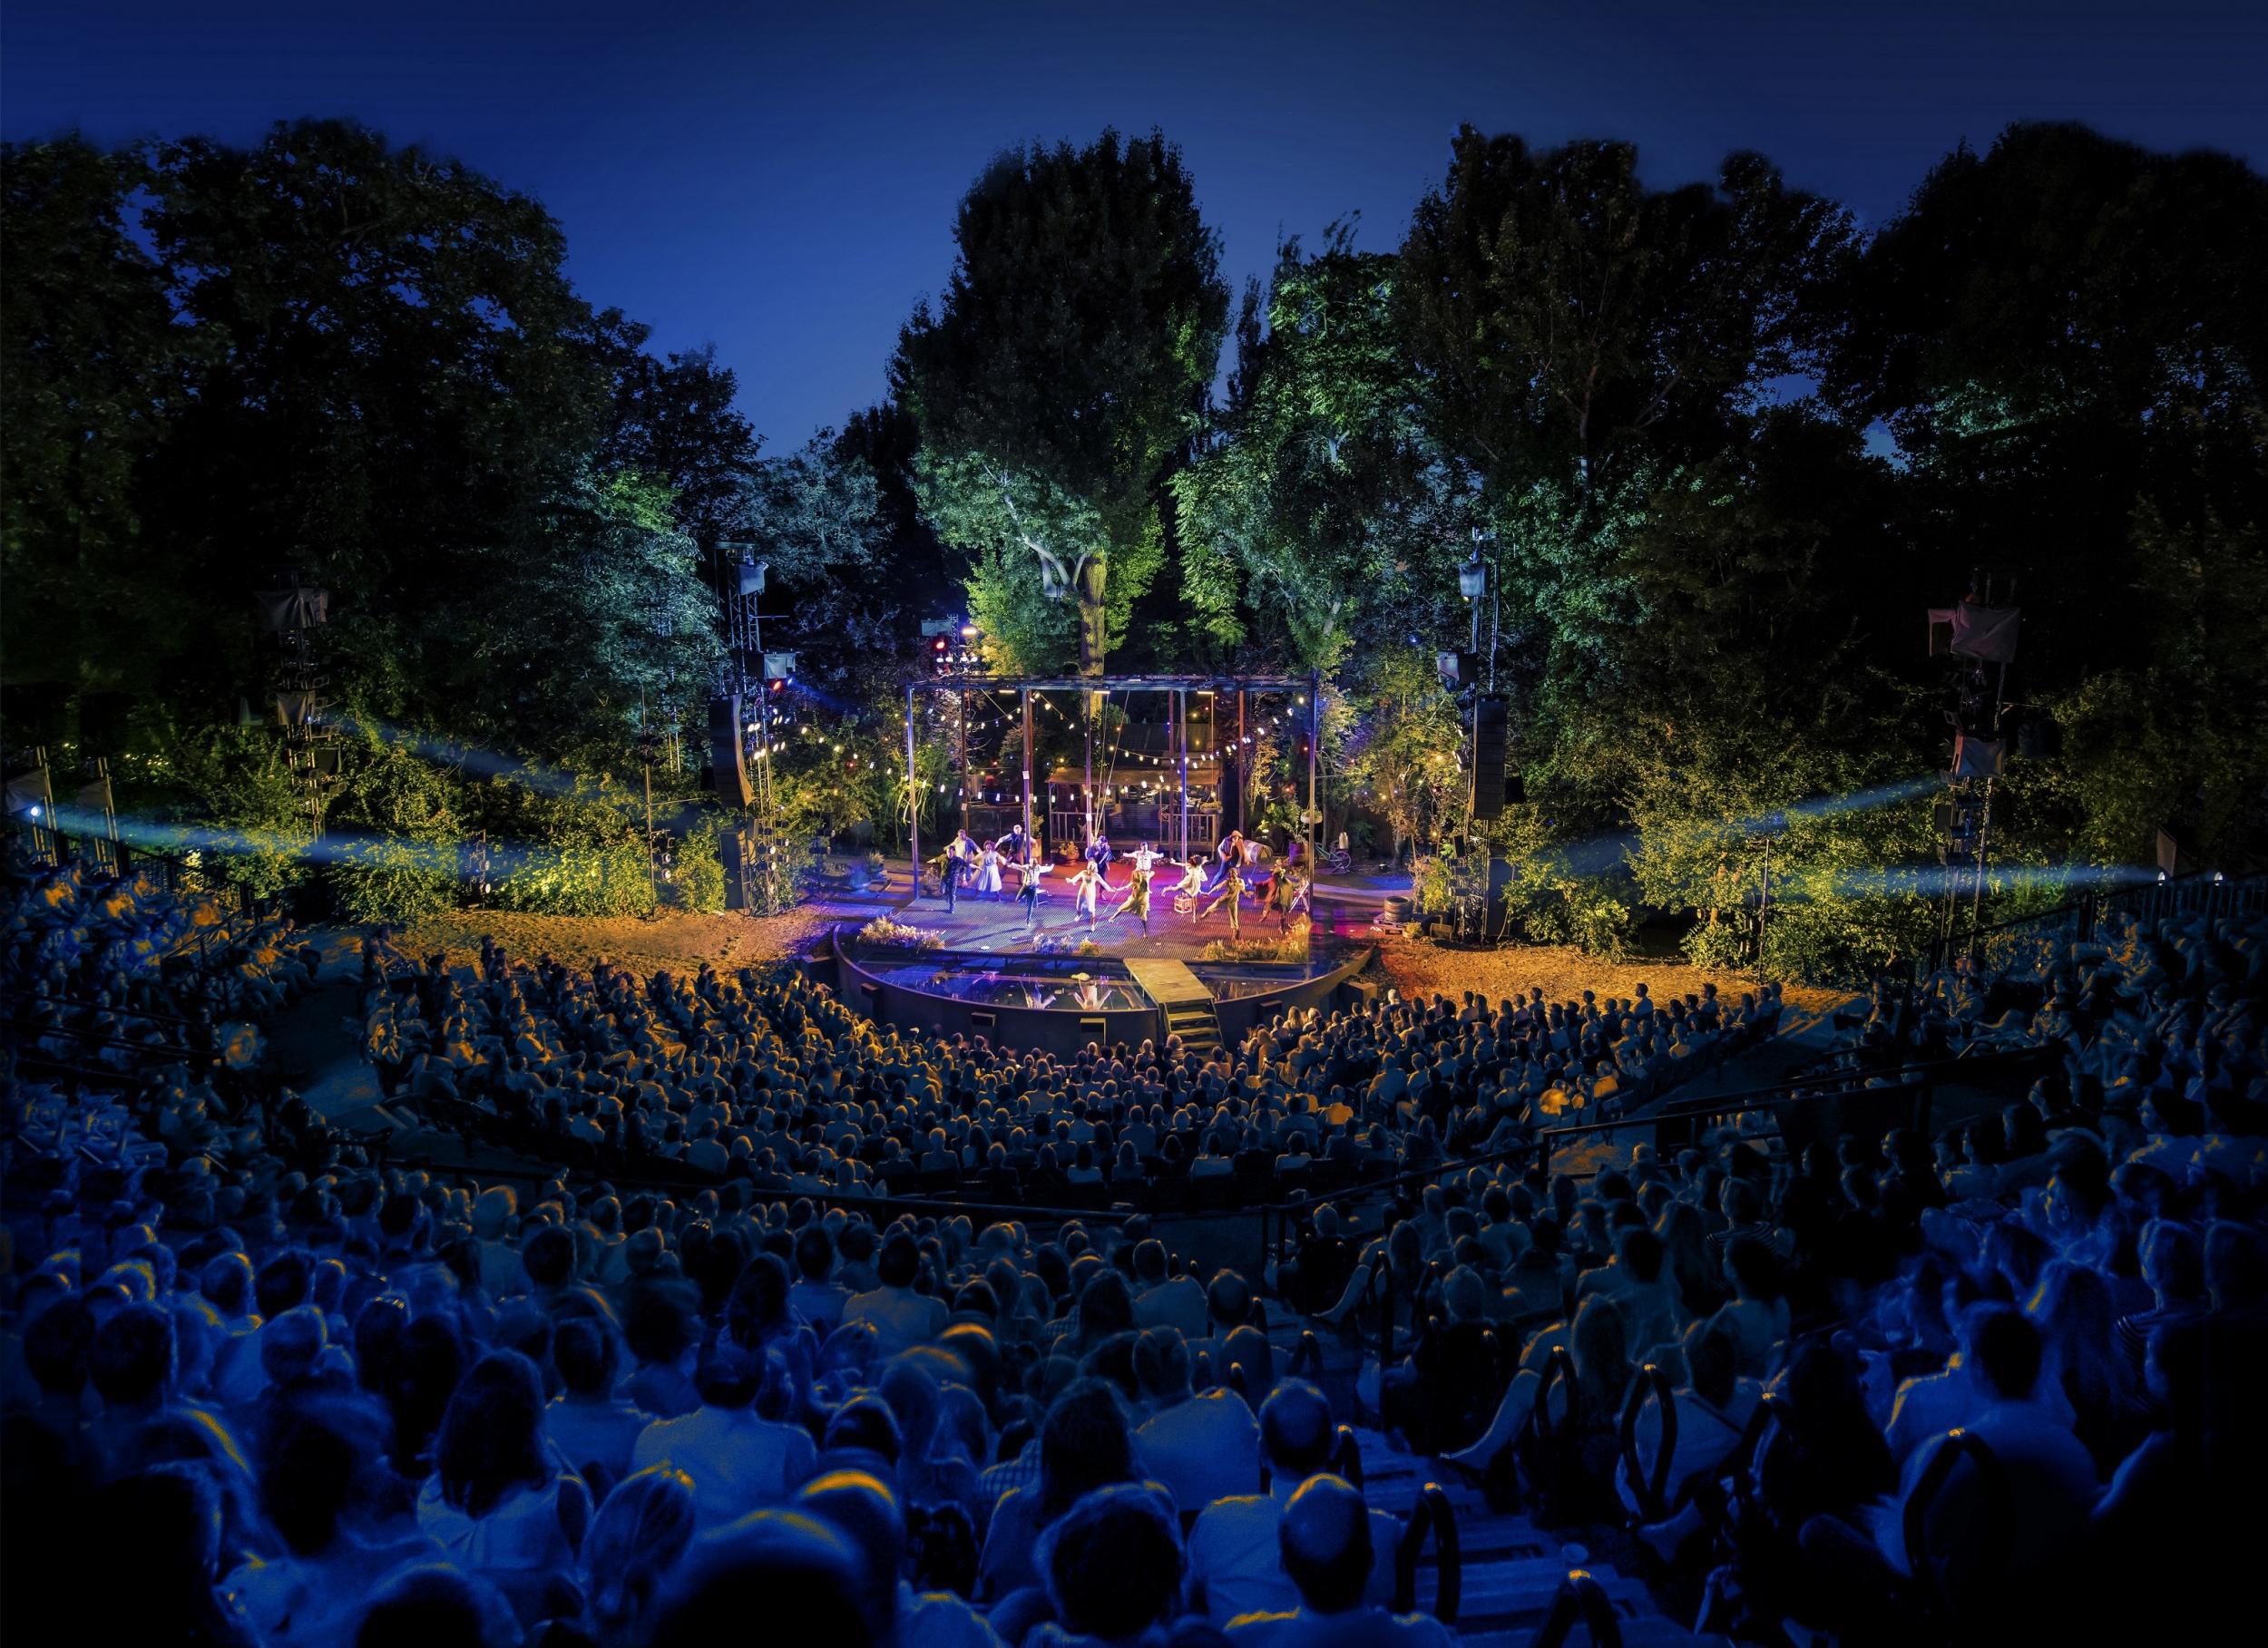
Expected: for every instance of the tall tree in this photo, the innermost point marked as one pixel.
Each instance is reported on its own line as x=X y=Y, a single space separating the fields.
x=1584 y=340
x=674 y=421
x=94 y=370
x=1322 y=509
x=1060 y=377
x=395 y=388
x=2065 y=337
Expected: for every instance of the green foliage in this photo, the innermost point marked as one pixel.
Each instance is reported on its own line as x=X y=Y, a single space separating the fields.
x=569 y=848
x=1067 y=362
x=391 y=879
x=699 y=881
x=239 y=796
x=1320 y=508
x=1404 y=752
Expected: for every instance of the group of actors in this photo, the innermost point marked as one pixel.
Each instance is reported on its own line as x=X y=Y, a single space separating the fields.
x=1233 y=873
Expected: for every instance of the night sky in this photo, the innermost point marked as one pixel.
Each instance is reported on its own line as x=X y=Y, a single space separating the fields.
x=782 y=180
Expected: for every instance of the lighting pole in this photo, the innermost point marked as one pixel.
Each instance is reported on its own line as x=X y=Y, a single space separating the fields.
x=1473 y=583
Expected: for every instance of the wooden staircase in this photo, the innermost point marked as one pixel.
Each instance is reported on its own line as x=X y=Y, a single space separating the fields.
x=1183 y=998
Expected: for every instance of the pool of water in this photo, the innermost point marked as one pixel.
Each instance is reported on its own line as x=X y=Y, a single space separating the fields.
x=1034 y=981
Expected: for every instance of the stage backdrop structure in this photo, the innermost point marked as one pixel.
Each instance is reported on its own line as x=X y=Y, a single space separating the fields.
x=1072 y=798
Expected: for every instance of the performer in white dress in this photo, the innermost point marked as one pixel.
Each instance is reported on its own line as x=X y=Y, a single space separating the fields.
x=987 y=873
x=1090 y=883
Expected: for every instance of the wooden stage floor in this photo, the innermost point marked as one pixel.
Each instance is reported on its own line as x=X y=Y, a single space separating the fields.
x=998 y=925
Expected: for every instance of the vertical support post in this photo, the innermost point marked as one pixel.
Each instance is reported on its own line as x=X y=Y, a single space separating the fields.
x=912 y=796
x=1181 y=717
x=961 y=779
x=1244 y=762
x=1314 y=756
x=1086 y=784
x=1031 y=840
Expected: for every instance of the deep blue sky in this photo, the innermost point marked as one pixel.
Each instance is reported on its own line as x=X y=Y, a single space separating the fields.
x=781 y=181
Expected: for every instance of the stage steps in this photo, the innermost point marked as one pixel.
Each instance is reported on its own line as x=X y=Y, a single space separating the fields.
x=1183 y=998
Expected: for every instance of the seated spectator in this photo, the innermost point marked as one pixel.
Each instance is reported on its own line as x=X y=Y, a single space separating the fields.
x=436 y=1603
x=899 y=1317
x=786 y=1568
x=1203 y=1446
x=339 y=1541
x=589 y=1426
x=1113 y=1566
x=642 y=1527
x=1235 y=1559
x=1083 y=1445
x=498 y=1503
x=861 y=1509
x=735 y=1459
x=1325 y=1538
x=1178 y=1302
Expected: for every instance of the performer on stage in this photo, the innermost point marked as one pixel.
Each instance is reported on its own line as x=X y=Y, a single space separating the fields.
x=1029 y=893
x=1232 y=894
x=1089 y=883
x=960 y=854
x=988 y=872
x=1100 y=856
x=1287 y=896
x=1144 y=857
x=1137 y=897
x=1189 y=888
x=1015 y=847
x=1229 y=852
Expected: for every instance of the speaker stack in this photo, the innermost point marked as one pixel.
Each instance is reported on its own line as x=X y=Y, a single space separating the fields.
x=727 y=752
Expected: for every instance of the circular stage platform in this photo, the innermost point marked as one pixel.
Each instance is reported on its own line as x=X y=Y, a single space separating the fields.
x=1059 y=985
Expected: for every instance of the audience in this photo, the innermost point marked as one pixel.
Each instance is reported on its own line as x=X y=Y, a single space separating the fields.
x=684 y=1378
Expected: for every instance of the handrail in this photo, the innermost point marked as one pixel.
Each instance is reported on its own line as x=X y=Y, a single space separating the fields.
x=692 y=1181
x=1650 y=1489
x=1558 y=1366
x=1346 y=1454
x=18 y=992
x=1960 y=1444
x=1434 y=1513
x=1306 y=1355
x=1850 y=1082
x=1579 y=1597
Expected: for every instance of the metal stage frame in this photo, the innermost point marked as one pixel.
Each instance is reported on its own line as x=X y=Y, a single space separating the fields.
x=1309 y=686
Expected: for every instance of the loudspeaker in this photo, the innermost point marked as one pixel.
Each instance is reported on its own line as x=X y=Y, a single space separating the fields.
x=727 y=753
x=1492 y=732
x=732 y=852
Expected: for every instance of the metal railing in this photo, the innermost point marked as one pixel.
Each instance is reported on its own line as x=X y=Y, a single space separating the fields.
x=2207 y=893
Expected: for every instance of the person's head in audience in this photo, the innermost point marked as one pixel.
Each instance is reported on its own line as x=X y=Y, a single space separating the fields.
x=2003 y=1348
x=785 y=1568
x=131 y=1361
x=492 y=1437
x=1083 y=1445
x=861 y=1509
x=1296 y=1434
x=1113 y=1563
x=436 y=1606
x=641 y=1530
x=1325 y=1538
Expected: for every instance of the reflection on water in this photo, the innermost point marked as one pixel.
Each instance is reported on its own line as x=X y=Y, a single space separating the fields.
x=1072 y=984
x=1090 y=984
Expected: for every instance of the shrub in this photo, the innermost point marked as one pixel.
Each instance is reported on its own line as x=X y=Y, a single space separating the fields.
x=391 y=879
x=885 y=933
x=699 y=881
